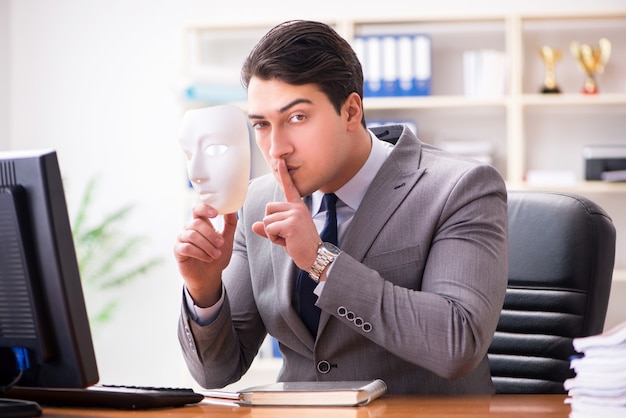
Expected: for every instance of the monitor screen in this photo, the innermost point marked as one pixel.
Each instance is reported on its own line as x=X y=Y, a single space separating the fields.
x=43 y=319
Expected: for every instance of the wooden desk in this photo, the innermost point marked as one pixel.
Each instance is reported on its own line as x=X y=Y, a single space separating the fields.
x=502 y=406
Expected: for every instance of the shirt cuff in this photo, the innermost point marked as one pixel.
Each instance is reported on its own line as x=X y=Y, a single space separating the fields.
x=203 y=316
x=319 y=288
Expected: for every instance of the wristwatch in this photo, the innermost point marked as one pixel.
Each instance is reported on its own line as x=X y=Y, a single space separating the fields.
x=326 y=254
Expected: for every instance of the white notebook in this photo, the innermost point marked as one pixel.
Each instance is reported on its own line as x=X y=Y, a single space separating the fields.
x=347 y=393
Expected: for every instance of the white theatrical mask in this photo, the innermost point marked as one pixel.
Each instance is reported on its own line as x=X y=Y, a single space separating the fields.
x=216 y=141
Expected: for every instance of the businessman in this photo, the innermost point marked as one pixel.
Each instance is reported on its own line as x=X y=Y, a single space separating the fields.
x=365 y=253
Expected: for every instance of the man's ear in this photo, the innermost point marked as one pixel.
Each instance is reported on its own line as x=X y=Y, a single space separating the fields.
x=353 y=106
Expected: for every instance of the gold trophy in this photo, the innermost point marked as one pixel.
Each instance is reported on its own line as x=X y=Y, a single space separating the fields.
x=591 y=61
x=550 y=57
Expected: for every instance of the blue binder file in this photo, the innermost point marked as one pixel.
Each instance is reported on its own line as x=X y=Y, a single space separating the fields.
x=373 y=63
x=389 y=66
x=405 y=84
x=422 y=64
x=395 y=65
x=359 y=48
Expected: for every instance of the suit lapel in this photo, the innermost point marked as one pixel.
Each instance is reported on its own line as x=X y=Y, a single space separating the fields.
x=392 y=184
x=395 y=179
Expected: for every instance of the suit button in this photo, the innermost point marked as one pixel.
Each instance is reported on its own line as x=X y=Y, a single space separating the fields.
x=190 y=339
x=323 y=367
x=342 y=311
x=367 y=327
x=350 y=316
x=358 y=321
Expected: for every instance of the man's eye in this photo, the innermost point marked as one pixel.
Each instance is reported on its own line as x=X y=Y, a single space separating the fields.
x=215 y=150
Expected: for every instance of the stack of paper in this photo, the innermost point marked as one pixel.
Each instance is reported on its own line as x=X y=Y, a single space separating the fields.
x=484 y=73
x=599 y=387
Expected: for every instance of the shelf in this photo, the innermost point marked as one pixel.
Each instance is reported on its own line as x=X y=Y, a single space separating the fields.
x=430 y=102
x=459 y=101
x=583 y=187
x=602 y=99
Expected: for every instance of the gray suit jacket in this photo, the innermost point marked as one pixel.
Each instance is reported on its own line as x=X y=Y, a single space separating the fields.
x=413 y=299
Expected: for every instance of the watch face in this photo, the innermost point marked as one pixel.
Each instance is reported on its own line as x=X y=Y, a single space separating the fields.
x=331 y=247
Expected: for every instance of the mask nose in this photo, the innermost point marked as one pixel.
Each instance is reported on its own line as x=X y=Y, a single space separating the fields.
x=196 y=170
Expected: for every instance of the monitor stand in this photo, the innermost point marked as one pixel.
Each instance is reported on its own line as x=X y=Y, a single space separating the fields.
x=16 y=408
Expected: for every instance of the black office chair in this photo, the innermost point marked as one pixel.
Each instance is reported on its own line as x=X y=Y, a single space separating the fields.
x=561 y=257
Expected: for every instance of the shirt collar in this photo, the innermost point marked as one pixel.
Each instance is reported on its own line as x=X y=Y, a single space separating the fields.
x=353 y=192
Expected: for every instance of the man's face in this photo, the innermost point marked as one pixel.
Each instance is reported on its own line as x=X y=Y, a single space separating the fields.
x=300 y=125
x=217 y=145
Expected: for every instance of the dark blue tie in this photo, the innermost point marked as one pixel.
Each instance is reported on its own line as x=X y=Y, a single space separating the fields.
x=310 y=313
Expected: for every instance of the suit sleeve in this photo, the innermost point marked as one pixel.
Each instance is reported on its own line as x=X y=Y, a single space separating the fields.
x=221 y=352
x=440 y=303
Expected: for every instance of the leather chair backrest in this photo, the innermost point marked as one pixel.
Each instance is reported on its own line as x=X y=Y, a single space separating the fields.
x=561 y=258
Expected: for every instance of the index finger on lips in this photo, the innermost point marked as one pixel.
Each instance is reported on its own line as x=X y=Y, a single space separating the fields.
x=286 y=183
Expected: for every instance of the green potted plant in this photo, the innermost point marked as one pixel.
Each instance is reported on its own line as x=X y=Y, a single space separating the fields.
x=106 y=254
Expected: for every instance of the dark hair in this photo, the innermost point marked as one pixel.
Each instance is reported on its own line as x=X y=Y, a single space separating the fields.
x=300 y=52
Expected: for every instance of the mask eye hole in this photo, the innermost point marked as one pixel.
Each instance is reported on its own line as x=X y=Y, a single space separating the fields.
x=215 y=150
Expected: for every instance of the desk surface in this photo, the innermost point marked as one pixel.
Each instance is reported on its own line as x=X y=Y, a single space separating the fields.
x=502 y=406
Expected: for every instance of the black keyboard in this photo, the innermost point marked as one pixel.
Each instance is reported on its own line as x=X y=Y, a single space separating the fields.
x=108 y=396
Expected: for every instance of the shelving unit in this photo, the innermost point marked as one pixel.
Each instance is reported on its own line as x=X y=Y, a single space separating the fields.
x=528 y=130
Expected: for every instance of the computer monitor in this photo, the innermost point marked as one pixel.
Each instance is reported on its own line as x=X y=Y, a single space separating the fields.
x=42 y=309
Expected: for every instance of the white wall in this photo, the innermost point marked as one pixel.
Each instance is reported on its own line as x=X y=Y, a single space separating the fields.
x=4 y=74
x=96 y=80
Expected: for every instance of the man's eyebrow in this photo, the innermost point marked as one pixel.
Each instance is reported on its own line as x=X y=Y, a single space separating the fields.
x=284 y=108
